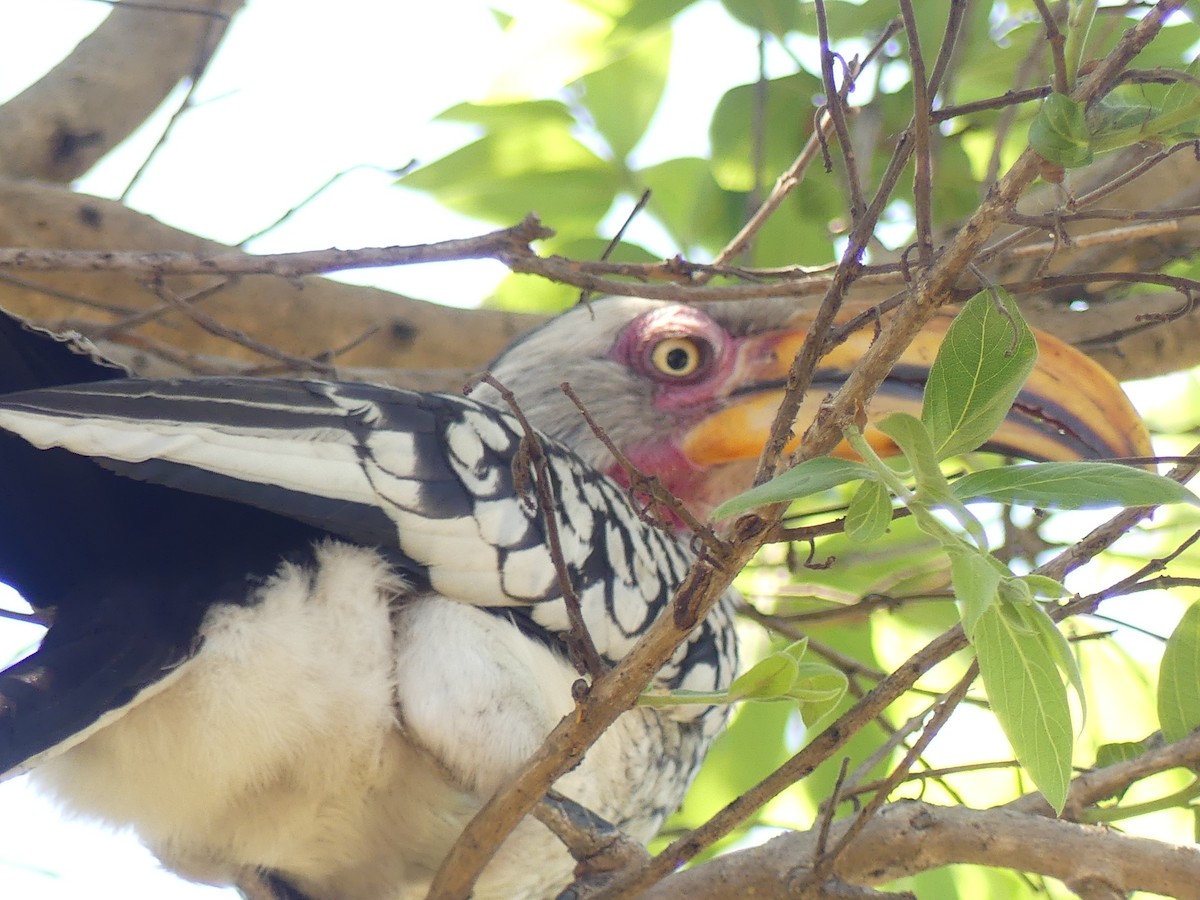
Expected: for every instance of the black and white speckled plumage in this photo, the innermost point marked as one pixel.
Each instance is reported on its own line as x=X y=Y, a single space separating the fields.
x=427 y=479
x=246 y=544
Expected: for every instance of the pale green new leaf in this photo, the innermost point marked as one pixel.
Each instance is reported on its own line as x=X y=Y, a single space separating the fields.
x=1182 y=101
x=976 y=582
x=622 y=97
x=1059 y=132
x=1056 y=645
x=768 y=679
x=914 y=441
x=1071 y=485
x=1043 y=586
x=809 y=477
x=1029 y=700
x=818 y=683
x=1179 y=678
x=869 y=513
x=978 y=372
x=818 y=691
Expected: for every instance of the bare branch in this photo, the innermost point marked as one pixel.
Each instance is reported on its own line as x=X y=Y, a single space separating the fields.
x=57 y=128
x=909 y=836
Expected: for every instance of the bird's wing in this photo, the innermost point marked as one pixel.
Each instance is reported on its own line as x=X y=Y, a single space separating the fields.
x=436 y=477
x=432 y=481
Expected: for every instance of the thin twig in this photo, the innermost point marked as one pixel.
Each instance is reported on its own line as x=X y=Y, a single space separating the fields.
x=29 y=618
x=494 y=245
x=582 y=648
x=1009 y=98
x=313 y=195
x=941 y=714
x=585 y=294
x=214 y=326
x=836 y=107
x=947 y=53
x=209 y=41
x=922 y=134
x=1057 y=41
x=639 y=482
x=791 y=179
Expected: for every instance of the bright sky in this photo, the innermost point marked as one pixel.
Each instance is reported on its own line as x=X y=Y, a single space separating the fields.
x=297 y=94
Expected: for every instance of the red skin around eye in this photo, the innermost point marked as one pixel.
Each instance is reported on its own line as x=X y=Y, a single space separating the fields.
x=692 y=392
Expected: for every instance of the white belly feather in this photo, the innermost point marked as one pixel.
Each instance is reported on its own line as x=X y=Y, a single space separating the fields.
x=339 y=731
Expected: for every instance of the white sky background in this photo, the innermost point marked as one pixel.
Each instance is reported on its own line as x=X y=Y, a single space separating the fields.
x=300 y=91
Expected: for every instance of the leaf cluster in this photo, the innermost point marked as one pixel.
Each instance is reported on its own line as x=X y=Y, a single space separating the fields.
x=1024 y=660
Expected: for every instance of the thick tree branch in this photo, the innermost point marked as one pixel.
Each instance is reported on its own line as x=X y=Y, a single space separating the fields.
x=909 y=836
x=304 y=317
x=56 y=129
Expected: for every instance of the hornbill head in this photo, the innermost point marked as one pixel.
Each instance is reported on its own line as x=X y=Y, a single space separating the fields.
x=688 y=393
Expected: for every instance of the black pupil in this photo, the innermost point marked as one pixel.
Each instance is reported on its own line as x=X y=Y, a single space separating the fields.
x=678 y=359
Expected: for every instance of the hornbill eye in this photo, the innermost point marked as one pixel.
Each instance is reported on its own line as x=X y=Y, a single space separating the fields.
x=678 y=357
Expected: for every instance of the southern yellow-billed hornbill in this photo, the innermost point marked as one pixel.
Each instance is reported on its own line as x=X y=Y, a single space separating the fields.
x=301 y=630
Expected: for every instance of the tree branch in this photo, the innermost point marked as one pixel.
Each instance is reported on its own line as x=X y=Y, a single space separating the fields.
x=909 y=836
x=302 y=317
x=56 y=129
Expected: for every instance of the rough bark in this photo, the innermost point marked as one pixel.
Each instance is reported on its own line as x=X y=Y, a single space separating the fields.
x=910 y=837
x=58 y=128
x=303 y=317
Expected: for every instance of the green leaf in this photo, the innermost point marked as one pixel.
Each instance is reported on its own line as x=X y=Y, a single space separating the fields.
x=1071 y=485
x=914 y=440
x=528 y=161
x=1114 y=114
x=869 y=513
x=818 y=691
x=1055 y=644
x=782 y=676
x=1118 y=752
x=1179 y=678
x=623 y=96
x=1042 y=586
x=1180 y=103
x=916 y=443
x=644 y=14
x=789 y=109
x=524 y=113
x=776 y=16
x=978 y=372
x=1059 y=132
x=1119 y=121
x=1029 y=700
x=1080 y=15
x=810 y=477
x=818 y=683
x=689 y=202
x=976 y=582
x=768 y=679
